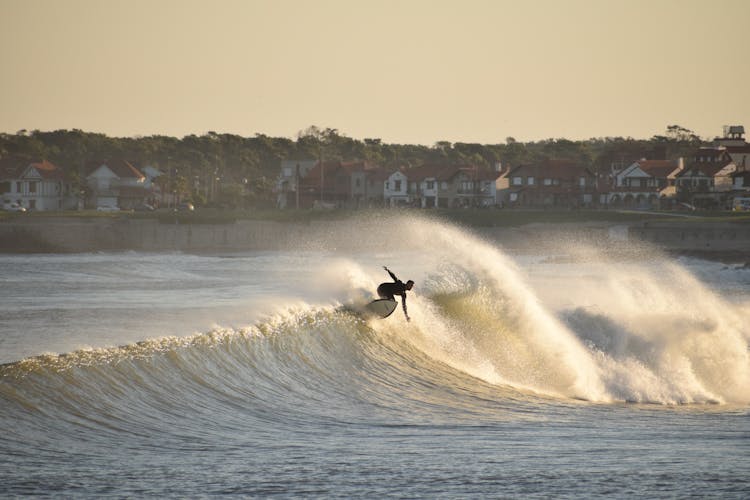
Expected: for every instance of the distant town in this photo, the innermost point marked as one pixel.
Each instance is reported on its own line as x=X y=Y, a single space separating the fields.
x=61 y=171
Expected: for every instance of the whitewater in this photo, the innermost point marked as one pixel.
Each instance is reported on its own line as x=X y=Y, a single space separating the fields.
x=565 y=371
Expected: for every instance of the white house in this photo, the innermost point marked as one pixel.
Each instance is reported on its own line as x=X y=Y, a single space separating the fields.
x=35 y=185
x=396 y=189
x=645 y=184
x=116 y=184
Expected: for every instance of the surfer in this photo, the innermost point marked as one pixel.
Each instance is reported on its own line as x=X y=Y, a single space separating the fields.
x=398 y=287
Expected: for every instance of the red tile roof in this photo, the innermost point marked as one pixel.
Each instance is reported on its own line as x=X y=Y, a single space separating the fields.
x=15 y=168
x=658 y=168
x=48 y=170
x=121 y=168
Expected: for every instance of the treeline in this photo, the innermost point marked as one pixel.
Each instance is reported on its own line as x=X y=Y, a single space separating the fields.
x=195 y=162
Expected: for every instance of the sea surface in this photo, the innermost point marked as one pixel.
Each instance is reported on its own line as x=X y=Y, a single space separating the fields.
x=570 y=373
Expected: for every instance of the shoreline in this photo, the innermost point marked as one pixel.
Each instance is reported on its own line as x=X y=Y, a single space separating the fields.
x=722 y=241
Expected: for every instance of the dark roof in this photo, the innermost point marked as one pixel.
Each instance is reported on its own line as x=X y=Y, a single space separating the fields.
x=446 y=172
x=121 y=168
x=658 y=168
x=738 y=149
x=556 y=169
x=708 y=162
x=705 y=169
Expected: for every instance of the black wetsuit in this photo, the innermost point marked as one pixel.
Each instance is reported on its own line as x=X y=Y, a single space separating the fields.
x=388 y=290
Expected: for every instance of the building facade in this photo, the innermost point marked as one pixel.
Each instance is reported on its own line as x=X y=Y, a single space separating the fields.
x=35 y=185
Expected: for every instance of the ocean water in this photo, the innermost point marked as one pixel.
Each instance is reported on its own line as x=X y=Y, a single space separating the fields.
x=562 y=374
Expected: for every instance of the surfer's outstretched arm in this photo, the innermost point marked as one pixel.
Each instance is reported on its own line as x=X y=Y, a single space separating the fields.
x=392 y=275
x=403 y=304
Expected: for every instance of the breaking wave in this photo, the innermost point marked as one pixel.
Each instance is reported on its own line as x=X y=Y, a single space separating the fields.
x=485 y=336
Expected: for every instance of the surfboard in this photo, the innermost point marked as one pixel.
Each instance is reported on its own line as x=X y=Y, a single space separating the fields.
x=381 y=307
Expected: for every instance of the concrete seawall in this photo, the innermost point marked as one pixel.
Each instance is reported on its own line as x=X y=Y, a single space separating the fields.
x=71 y=235
x=692 y=237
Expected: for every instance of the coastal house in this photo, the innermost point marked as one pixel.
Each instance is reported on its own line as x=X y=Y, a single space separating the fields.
x=425 y=183
x=708 y=180
x=352 y=184
x=287 y=184
x=35 y=185
x=550 y=183
x=365 y=180
x=738 y=149
x=644 y=184
x=396 y=189
x=733 y=141
x=451 y=186
x=116 y=184
x=474 y=186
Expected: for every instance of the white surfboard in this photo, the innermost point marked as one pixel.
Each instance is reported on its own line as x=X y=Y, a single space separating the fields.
x=381 y=307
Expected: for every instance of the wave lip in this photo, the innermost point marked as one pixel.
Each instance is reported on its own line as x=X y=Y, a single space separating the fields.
x=586 y=328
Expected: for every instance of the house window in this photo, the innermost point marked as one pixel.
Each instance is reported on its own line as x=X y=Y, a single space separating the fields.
x=5 y=187
x=517 y=181
x=530 y=181
x=357 y=182
x=387 y=185
x=397 y=186
x=547 y=182
x=582 y=182
x=513 y=197
x=430 y=184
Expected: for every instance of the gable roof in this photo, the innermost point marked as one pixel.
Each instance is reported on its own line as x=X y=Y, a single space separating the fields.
x=17 y=168
x=431 y=171
x=659 y=168
x=442 y=172
x=121 y=168
x=708 y=154
x=556 y=169
x=706 y=169
x=47 y=170
x=708 y=162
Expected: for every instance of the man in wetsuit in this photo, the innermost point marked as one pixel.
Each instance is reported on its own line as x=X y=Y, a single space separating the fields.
x=388 y=290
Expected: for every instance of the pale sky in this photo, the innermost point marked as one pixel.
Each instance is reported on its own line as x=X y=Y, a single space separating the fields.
x=405 y=71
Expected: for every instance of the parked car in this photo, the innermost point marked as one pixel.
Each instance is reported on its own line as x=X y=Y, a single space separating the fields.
x=185 y=207
x=741 y=204
x=13 y=207
x=144 y=208
x=107 y=208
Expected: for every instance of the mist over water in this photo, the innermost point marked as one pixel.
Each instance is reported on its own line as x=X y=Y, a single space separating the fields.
x=597 y=327
x=256 y=358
